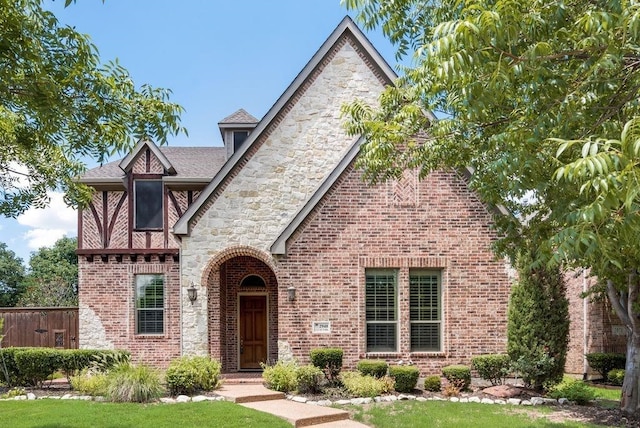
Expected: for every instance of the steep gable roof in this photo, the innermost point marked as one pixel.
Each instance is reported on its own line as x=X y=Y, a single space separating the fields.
x=127 y=163
x=346 y=28
x=240 y=117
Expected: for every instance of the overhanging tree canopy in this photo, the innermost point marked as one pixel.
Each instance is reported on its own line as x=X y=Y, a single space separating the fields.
x=59 y=103
x=540 y=98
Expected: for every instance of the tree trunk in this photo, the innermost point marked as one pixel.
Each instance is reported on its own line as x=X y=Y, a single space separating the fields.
x=630 y=401
x=623 y=303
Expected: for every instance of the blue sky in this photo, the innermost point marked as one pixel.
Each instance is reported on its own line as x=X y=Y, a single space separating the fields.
x=216 y=56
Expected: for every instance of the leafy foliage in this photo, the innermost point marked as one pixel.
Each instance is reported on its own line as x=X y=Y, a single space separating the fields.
x=540 y=102
x=187 y=375
x=308 y=378
x=11 y=276
x=616 y=376
x=573 y=390
x=90 y=382
x=458 y=375
x=53 y=276
x=375 y=368
x=604 y=362
x=329 y=360
x=360 y=385
x=282 y=376
x=432 y=383
x=58 y=103
x=538 y=325
x=35 y=365
x=493 y=368
x=405 y=377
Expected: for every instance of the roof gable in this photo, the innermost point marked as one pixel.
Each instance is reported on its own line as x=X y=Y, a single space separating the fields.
x=127 y=163
x=346 y=29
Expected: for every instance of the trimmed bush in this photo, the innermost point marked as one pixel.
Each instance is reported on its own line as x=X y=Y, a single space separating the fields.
x=433 y=383
x=375 y=368
x=187 y=375
x=405 y=377
x=35 y=365
x=329 y=360
x=9 y=373
x=458 y=375
x=616 y=376
x=308 y=379
x=133 y=384
x=573 y=390
x=282 y=376
x=361 y=385
x=604 y=362
x=493 y=368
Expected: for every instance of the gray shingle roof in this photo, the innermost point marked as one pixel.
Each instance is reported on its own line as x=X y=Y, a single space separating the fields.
x=241 y=116
x=189 y=162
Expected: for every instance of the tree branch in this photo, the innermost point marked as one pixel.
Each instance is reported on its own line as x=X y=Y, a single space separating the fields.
x=620 y=310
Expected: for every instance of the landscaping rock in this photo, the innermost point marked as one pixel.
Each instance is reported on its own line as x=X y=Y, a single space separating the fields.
x=31 y=396
x=563 y=401
x=503 y=391
x=514 y=401
x=454 y=399
x=487 y=401
x=537 y=401
x=67 y=397
x=326 y=402
x=343 y=402
x=551 y=401
x=500 y=402
x=357 y=401
x=299 y=399
x=421 y=399
x=183 y=399
x=526 y=403
x=199 y=398
x=474 y=399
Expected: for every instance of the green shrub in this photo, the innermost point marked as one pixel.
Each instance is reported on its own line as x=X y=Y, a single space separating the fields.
x=35 y=365
x=187 y=375
x=9 y=373
x=308 y=379
x=493 y=368
x=329 y=360
x=361 y=385
x=282 y=376
x=604 y=362
x=405 y=377
x=433 y=383
x=375 y=368
x=573 y=390
x=89 y=382
x=458 y=375
x=538 y=324
x=616 y=376
x=133 y=383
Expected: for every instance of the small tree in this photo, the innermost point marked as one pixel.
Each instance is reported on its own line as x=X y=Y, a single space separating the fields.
x=11 y=276
x=538 y=325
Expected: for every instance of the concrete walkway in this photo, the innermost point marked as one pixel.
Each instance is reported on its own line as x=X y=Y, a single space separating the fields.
x=258 y=397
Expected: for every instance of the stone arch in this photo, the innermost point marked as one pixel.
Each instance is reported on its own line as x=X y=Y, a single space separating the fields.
x=236 y=251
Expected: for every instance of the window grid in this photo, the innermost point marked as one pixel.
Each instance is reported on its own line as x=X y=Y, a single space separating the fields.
x=425 y=311
x=381 y=310
x=149 y=304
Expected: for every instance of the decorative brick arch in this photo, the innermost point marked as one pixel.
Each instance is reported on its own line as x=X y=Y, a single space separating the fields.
x=236 y=251
x=222 y=276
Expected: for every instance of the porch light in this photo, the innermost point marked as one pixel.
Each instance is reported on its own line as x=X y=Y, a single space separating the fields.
x=291 y=293
x=192 y=292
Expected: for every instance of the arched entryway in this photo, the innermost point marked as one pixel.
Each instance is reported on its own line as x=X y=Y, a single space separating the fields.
x=243 y=309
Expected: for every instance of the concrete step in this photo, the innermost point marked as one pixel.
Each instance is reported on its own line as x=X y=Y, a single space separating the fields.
x=301 y=415
x=347 y=423
x=248 y=393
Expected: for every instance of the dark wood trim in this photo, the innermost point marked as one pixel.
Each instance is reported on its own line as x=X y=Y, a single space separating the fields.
x=147 y=176
x=112 y=223
x=147 y=160
x=165 y=216
x=189 y=198
x=124 y=251
x=175 y=203
x=147 y=239
x=105 y=219
x=80 y=228
x=131 y=209
x=96 y=217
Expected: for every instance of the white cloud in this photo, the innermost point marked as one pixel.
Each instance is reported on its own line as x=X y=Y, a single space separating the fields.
x=49 y=224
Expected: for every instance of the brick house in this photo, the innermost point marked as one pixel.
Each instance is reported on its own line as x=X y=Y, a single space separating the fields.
x=273 y=245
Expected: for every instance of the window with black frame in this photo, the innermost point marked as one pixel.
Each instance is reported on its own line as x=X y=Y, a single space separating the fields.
x=147 y=204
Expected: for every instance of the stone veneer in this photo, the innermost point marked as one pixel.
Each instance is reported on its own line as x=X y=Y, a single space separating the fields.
x=291 y=161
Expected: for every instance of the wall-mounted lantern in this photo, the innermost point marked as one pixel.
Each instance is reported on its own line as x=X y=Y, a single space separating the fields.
x=291 y=293
x=192 y=292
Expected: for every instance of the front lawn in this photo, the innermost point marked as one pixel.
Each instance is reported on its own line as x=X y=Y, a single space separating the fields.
x=82 y=414
x=445 y=414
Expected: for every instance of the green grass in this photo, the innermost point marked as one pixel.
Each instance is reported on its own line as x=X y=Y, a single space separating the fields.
x=50 y=413
x=612 y=394
x=441 y=414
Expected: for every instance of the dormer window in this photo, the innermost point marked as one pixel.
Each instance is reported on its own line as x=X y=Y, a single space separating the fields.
x=239 y=137
x=148 y=204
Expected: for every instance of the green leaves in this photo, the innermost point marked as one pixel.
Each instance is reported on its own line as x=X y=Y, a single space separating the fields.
x=59 y=103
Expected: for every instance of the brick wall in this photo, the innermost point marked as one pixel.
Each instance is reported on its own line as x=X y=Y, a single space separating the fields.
x=107 y=308
x=436 y=223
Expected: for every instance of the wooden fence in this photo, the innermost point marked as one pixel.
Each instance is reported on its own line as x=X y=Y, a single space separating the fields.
x=46 y=327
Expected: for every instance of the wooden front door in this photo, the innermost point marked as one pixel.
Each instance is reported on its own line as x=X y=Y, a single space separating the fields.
x=253 y=331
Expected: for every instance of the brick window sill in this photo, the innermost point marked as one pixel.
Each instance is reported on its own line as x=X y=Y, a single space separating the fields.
x=435 y=354
x=383 y=355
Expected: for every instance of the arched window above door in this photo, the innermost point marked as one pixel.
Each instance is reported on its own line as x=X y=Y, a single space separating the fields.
x=254 y=281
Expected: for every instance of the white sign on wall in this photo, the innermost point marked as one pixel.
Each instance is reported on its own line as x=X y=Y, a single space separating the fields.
x=321 y=327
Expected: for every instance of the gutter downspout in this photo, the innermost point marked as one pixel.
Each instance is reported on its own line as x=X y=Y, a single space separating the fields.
x=585 y=336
